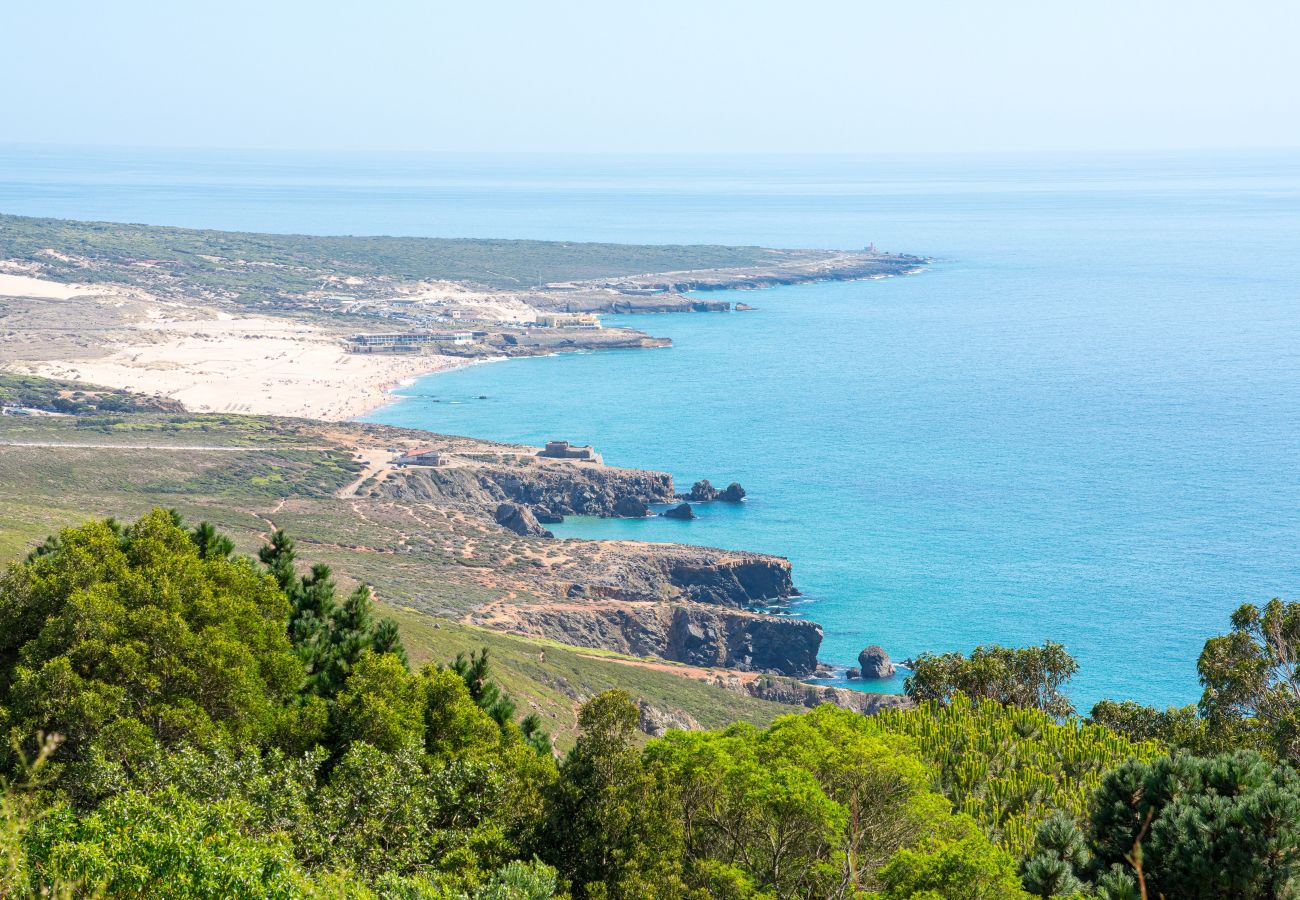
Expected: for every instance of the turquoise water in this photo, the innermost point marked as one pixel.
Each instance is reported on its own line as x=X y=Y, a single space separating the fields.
x=1080 y=423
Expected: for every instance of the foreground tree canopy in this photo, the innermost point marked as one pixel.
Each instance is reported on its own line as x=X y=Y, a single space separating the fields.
x=183 y=721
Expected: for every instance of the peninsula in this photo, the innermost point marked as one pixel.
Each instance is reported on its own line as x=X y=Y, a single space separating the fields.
x=214 y=373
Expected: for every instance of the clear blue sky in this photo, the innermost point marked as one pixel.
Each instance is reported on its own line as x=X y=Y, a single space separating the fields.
x=707 y=75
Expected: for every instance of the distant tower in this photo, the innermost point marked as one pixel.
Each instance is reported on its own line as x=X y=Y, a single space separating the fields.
x=871 y=248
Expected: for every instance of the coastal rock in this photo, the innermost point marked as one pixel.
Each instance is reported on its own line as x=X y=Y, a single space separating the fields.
x=520 y=520
x=733 y=493
x=657 y=723
x=683 y=632
x=681 y=511
x=875 y=663
x=744 y=307
x=631 y=508
x=560 y=487
x=853 y=674
x=824 y=671
x=702 y=492
x=547 y=517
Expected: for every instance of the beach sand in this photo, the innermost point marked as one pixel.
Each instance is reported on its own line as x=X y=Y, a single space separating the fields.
x=214 y=361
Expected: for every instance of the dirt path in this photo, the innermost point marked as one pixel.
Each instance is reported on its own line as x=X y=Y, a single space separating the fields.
x=377 y=462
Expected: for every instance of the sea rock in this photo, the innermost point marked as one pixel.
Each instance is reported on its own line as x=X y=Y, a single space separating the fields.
x=824 y=671
x=520 y=520
x=631 y=508
x=853 y=674
x=547 y=517
x=733 y=493
x=681 y=511
x=701 y=492
x=875 y=663
x=744 y=307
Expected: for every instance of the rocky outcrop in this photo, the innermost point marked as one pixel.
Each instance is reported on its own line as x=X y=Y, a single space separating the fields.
x=732 y=493
x=704 y=492
x=683 y=632
x=780 y=690
x=874 y=662
x=681 y=511
x=657 y=723
x=631 y=508
x=553 y=488
x=520 y=520
x=853 y=674
x=701 y=492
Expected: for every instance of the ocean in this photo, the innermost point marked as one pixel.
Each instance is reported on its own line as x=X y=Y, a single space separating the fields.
x=1080 y=423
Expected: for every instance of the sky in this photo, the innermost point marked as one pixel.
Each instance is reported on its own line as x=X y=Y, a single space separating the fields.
x=707 y=76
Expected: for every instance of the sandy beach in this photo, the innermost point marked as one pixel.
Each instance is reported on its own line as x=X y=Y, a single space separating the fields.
x=209 y=360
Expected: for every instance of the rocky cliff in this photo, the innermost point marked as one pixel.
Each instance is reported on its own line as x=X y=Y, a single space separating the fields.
x=548 y=488
x=692 y=633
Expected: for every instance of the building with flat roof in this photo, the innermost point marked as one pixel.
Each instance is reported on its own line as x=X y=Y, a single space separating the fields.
x=565 y=450
x=426 y=456
x=568 y=320
x=408 y=341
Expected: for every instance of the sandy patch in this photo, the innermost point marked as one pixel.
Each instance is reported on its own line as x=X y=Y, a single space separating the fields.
x=41 y=289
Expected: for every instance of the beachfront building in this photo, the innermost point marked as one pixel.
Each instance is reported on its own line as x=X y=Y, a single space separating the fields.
x=408 y=341
x=568 y=320
x=565 y=450
x=426 y=456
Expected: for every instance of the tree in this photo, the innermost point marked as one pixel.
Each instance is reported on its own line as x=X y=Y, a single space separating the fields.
x=1029 y=677
x=963 y=865
x=122 y=637
x=811 y=807
x=610 y=827
x=329 y=637
x=1224 y=826
x=163 y=847
x=1252 y=680
x=1176 y=728
x=1061 y=852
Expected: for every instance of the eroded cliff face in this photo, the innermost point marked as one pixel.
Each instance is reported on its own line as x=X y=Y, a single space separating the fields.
x=692 y=633
x=559 y=489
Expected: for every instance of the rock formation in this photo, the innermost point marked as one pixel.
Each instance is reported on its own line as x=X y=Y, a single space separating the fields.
x=692 y=633
x=681 y=511
x=701 y=492
x=520 y=520
x=733 y=493
x=853 y=674
x=657 y=723
x=558 y=488
x=875 y=663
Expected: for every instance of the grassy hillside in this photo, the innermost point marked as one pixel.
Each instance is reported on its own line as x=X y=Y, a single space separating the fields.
x=250 y=263
x=249 y=474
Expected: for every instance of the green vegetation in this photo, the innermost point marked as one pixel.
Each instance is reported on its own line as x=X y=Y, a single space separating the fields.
x=186 y=721
x=254 y=266
x=1029 y=677
x=1008 y=767
x=1251 y=699
x=74 y=398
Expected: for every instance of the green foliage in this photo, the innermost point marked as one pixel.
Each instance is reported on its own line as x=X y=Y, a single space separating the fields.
x=116 y=638
x=1252 y=680
x=75 y=398
x=168 y=846
x=1029 y=677
x=958 y=866
x=330 y=637
x=1177 y=728
x=812 y=807
x=610 y=827
x=1009 y=768
x=1225 y=826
